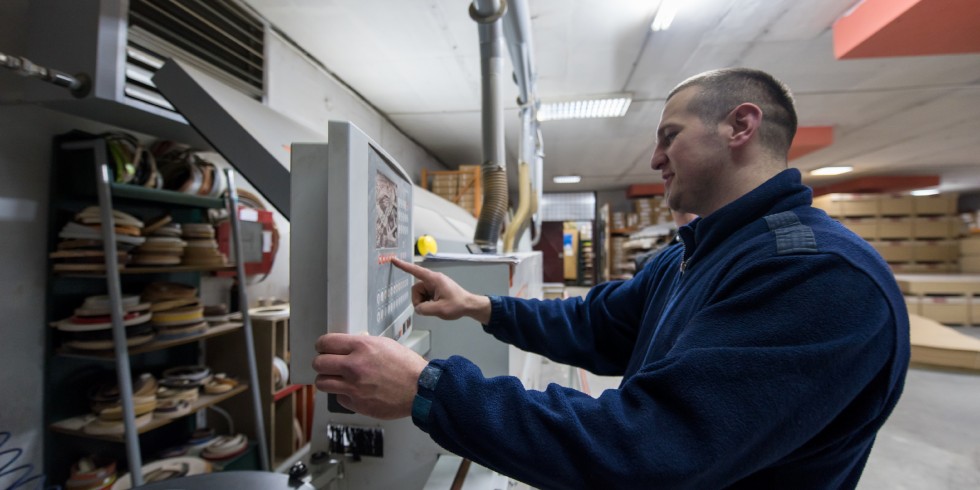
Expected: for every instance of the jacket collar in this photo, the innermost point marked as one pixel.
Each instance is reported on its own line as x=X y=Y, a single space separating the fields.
x=782 y=192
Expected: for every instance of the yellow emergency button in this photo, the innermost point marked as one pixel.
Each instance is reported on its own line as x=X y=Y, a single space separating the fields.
x=426 y=245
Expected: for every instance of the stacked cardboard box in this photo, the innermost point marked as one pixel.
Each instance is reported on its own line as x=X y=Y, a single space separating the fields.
x=618 y=221
x=620 y=265
x=912 y=233
x=467 y=190
x=650 y=211
x=445 y=184
x=970 y=254
x=462 y=187
x=946 y=298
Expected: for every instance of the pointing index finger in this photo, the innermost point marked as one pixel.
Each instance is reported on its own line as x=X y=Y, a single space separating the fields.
x=418 y=272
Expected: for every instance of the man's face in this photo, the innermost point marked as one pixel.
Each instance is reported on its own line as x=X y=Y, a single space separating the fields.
x=688 y=155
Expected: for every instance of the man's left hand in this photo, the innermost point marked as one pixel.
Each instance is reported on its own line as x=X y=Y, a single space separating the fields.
x=373 y=376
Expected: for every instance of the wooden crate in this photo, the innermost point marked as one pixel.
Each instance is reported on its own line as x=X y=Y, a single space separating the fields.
x=895 y=205
x=463 y=187
x=940 y=204
x=945 y=298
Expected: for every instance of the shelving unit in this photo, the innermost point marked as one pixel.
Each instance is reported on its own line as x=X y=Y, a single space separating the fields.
x=154 y=345
x=204 y=401
x=80 y=167
x=281 y=406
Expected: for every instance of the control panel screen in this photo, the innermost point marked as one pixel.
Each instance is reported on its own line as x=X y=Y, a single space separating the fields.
x=389 y=295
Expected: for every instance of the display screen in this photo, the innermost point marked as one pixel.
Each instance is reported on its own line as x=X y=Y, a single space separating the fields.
x=386 y=212
x=389 y=288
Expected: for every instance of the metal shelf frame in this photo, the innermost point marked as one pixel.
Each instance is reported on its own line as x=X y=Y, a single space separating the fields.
x=105 y=189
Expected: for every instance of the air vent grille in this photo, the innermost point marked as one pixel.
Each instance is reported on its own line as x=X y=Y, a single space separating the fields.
x=218 y=35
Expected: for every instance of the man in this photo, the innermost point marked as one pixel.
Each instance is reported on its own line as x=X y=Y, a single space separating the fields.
x=680 y=219
x=765 y=351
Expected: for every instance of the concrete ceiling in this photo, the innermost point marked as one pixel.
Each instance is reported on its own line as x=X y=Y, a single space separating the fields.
x=418 y=62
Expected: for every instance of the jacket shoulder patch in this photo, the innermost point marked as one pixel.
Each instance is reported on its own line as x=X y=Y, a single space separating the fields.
x=792 y=236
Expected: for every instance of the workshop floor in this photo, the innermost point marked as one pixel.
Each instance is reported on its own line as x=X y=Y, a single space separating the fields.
x=931 y=440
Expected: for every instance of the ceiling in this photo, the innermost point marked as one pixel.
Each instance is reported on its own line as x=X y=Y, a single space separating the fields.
x=418 y=62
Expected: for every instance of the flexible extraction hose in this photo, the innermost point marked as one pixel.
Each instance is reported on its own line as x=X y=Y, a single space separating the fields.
x=494 y=207
x=519 y=223
x=487 y=14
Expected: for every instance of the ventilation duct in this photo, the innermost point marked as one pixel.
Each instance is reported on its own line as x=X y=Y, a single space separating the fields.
x=120 y=44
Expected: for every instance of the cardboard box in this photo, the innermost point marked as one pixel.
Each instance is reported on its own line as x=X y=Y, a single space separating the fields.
x=940 y=204
x=970 y=264
x=894 y=251
x=924 y=268
x=866 y=228
x=830 y=204
x=970 y=246
x=895 y=205
x=936 y=345
x=553 y=290
x=860 y=205
x=895 y=228
x=948 y=284
x=936 y=227
x=912 y=304
x=954 y=310
x=934 y=251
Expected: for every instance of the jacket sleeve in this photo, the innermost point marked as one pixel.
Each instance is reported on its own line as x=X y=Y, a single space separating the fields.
x=597 y=333
x=765 y=367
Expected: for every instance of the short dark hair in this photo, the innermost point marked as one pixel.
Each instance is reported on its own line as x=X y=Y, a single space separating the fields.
x=723 y=90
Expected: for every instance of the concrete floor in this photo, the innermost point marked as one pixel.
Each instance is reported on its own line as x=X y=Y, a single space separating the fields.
x=932 y=439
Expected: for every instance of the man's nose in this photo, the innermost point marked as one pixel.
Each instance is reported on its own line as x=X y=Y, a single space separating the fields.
x=658 y=160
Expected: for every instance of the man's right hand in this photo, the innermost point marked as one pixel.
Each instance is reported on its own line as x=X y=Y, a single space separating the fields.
x=439 y=296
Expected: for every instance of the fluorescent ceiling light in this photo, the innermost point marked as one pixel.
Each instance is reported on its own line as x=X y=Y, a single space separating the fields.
x=614 y=105
x=665 y=15
x=566 y=179
x=925 y=192
x=831 y=170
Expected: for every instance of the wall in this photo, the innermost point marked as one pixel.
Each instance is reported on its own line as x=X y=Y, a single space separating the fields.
x=296 y=87
x=616 y=199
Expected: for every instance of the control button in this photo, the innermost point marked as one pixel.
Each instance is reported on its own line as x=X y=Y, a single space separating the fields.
x=298 y=471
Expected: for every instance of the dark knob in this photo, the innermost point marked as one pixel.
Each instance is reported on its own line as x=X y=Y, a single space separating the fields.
x=297 y=471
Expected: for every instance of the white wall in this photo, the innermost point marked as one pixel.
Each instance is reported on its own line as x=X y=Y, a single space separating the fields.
x=296 y=87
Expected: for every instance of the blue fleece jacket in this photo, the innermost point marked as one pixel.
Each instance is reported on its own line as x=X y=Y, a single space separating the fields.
x=764 y=351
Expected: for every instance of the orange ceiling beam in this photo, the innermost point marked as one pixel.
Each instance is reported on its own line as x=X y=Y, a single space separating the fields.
x=644 y=190
x=882 y=28
x=809 y=139
x=880 y=184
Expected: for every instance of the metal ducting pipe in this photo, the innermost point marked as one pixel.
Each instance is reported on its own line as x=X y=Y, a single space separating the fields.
x=539 y=190
x=487 y=13
x=517 y=32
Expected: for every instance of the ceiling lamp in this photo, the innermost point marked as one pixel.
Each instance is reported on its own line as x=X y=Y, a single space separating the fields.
x=665 y=15
x=566 y=179
x=831 y=170
x=614 y=105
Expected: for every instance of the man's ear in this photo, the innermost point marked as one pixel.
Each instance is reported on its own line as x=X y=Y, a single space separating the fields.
x=744 y=120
